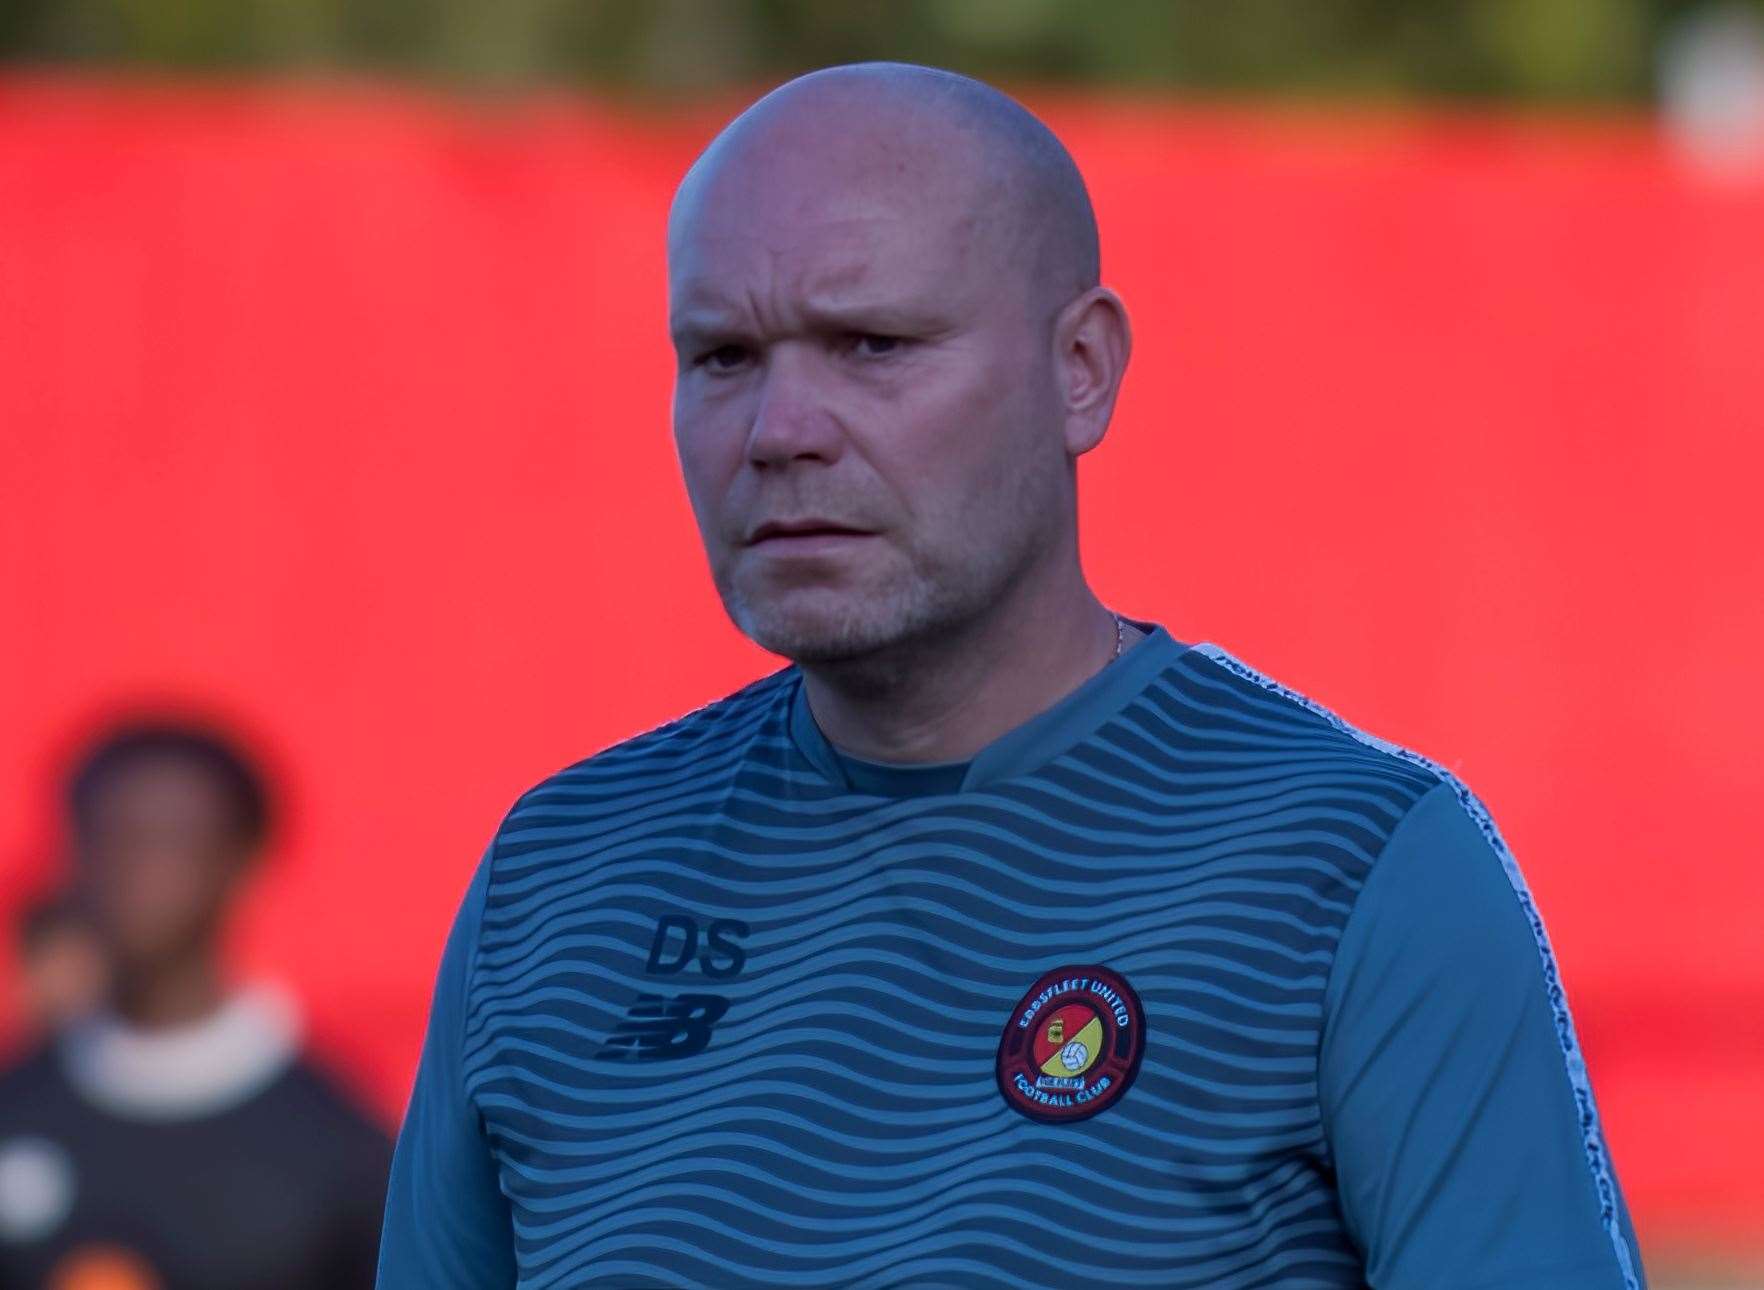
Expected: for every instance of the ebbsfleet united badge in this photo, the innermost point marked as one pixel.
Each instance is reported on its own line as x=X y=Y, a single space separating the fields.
x=1072 y=1045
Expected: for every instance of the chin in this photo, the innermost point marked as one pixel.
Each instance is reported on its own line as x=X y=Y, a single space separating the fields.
x=822 y=627
x=882 y=620
x=804 y=638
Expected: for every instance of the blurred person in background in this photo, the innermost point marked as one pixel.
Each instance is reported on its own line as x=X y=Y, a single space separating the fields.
x=177 y=1137
x=61 y=964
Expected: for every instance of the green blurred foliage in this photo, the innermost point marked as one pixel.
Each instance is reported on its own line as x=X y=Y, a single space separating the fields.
x=1597 y=51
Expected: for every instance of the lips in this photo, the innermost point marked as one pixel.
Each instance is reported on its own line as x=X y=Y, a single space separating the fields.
x=810 y=527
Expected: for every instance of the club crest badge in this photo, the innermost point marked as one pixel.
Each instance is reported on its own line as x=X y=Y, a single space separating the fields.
x=1072 y=1045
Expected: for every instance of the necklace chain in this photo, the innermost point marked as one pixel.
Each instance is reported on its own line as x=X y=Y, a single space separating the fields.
x=1120 y=634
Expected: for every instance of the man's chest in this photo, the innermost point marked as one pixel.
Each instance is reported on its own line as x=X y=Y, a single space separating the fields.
x=947 y=1050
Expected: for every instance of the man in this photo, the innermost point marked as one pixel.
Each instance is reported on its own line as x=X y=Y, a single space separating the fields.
x=177 y=1140
x=999 y=941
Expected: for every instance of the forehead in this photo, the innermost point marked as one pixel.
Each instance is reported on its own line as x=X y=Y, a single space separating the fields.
x=809 y=226
x=159 y=786
x=821 y=267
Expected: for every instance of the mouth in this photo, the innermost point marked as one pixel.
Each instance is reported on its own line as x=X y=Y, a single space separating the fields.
x=803 y=532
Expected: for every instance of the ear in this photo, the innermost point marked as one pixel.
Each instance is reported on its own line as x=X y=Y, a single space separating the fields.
x=1092 y=342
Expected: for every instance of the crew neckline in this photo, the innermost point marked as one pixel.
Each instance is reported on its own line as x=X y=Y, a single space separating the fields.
x=1020 y=749
x=183 y=1072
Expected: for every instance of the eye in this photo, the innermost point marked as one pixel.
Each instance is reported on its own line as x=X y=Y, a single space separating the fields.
x=724 y=358
x=876 y=345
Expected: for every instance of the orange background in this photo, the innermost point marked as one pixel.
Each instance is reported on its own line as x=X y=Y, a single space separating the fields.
x=346 y=413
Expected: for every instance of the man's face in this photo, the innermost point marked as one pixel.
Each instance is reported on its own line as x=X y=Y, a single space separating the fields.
x=864 y=407
x=158 y=858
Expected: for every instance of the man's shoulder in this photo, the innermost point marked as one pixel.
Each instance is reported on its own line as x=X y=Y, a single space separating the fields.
x=29 y=1074
x=708 y=742
x=1349 y=793
x=309 y=1091
x=1284 y=724
x=336 y=1137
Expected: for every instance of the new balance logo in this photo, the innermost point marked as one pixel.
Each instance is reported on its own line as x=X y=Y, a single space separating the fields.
x=658 y=1028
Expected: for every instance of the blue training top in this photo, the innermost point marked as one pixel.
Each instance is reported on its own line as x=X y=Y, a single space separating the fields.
x=1184 y=982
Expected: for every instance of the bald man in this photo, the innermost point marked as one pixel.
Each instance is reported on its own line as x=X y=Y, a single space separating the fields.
x=1000 y=940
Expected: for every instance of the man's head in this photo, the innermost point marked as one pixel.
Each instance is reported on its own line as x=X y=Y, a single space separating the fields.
x=60 y=967
x=165 y=819
x=892 y=349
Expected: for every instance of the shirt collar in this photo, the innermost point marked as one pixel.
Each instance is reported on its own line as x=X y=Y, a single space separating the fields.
x=201 y=1068
x=1034 y=743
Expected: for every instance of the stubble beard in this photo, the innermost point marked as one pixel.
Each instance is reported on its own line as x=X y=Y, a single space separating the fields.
x=872 y=637
x=843 y=628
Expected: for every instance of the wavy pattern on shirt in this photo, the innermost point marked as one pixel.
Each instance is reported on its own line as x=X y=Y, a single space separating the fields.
x=843 y=1126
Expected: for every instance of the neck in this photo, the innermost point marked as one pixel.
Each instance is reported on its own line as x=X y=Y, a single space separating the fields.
x=170 y=994
x=946 y=699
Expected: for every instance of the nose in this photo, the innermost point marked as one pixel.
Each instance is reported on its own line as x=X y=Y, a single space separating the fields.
x=793 y=420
